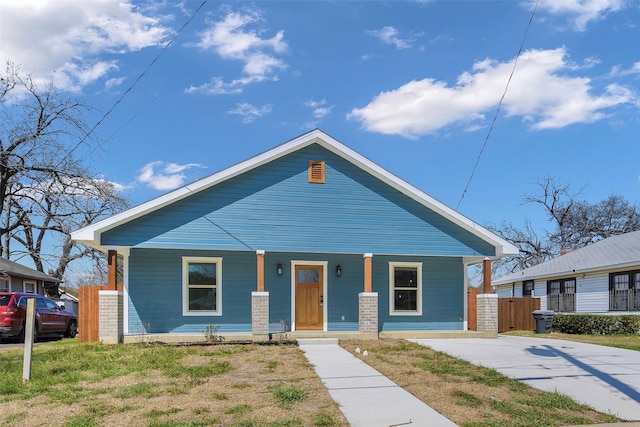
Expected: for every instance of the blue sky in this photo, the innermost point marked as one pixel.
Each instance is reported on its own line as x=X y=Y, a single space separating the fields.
x=414 y=86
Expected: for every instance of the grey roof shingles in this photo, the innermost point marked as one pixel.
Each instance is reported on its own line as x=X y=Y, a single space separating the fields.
x=14 y=269
x=614 y=252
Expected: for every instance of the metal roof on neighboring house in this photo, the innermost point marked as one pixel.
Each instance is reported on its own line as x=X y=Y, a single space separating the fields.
x=615 y=252
x=12 y=268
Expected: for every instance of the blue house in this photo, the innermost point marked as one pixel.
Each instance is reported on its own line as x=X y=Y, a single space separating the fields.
x=309 y=235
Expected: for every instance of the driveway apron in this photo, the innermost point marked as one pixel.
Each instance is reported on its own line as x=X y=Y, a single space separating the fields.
x=365 y=396
x=605 y=378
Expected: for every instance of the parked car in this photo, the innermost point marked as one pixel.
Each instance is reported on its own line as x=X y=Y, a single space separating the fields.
x=51 y=319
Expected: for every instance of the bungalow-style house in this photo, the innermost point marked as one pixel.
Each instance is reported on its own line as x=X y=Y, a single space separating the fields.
x=307 y=236
x=600 y=278
x=16 y=277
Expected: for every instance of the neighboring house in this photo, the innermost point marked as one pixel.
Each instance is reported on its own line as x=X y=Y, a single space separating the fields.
x=599 y=278
x=68 y=298
x=310 y=235
x=16 y=277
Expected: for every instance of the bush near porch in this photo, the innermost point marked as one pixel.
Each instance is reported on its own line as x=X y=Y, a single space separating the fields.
x=597 y=324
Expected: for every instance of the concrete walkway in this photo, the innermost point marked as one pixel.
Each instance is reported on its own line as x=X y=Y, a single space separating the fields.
x=605 y=378
x=365 y=396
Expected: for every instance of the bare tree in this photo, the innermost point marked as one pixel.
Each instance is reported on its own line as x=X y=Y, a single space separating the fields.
x=589 y=223
x=558 y=201
x=532 y=249
x=45 y=190
x=573 y=223
x=55 y=211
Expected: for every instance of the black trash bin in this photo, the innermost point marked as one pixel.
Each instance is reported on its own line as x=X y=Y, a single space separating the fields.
x=544 y=321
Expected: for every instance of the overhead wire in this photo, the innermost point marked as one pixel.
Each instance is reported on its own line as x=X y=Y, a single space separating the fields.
x=135 y=82
x=495 y=117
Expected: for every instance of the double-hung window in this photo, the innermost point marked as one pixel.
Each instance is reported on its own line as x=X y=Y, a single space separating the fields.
x=201 y=286
x=624 y=291
x=561 y=295
x=405 y=288
x=528 y=288
x=29 y=287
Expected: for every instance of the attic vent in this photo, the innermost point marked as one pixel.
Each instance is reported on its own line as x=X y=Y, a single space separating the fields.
x=316 y=171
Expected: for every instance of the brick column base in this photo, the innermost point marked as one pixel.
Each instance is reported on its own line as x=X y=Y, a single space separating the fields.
x=260 y=316
x=111 y=317
x=487 y=313
x=368 y=314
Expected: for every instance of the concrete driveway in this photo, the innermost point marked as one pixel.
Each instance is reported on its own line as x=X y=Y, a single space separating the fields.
x=605 y=378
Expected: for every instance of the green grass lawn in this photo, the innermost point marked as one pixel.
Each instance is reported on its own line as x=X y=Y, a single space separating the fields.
x=157 y=385
x=248 y=385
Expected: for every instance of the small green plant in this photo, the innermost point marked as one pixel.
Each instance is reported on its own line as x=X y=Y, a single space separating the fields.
x=466 y=399
x=211 y=334
x=238 y=409
x=142 y=330
x=272 y=365
x=219 y=396
x=288 y=394
x=146 y=390
x=324 y=420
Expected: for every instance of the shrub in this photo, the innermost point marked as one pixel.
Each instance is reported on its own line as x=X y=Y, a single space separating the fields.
x=597 y=324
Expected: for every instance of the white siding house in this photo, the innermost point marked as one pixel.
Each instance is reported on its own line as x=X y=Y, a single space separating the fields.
x=603 y=277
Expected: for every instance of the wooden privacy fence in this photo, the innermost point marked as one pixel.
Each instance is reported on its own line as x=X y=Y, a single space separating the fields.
x=89 y=312
x=515 y=314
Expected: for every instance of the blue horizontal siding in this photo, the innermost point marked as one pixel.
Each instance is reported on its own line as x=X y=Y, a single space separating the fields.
x=342 y=292
x=155 y=292
x=442 y=291
x=343 y=326
x=422 y=326
x=273 y=207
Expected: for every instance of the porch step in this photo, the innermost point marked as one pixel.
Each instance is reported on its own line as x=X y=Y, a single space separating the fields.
x=312 y=341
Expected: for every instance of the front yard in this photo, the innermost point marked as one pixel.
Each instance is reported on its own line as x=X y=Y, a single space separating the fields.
x=156 y=385
x=250 y=385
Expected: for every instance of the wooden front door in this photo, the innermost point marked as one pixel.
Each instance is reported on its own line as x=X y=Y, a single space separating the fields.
x=309 y=297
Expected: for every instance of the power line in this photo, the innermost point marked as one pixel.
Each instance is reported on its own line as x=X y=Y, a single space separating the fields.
x=130 y=88
x=495 y=117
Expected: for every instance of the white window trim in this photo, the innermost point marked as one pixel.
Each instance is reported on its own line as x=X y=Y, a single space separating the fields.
x=185 y=281
x=30 y=282
x=392 y=311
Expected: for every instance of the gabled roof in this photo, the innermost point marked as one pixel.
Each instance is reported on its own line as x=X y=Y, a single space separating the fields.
x=616 y=252
x=14 y=269
x=90 y=235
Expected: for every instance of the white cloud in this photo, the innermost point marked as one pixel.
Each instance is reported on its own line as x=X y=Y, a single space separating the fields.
x=320 y=108
x=369 y=56
x=113 y=83
x=391 y=35
x=231 y=39
x=320 y=111
x=164 y=176
x=541 y=92
x=581 y=12
x=67 y=37
x=250 y=112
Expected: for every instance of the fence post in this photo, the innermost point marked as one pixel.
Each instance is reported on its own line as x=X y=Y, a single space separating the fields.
x=28 y=339
x=487 y=313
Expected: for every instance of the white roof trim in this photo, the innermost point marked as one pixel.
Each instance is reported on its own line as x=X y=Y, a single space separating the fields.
x=90 y=235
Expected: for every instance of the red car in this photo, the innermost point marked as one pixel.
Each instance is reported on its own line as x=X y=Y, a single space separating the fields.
x=51 y=319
